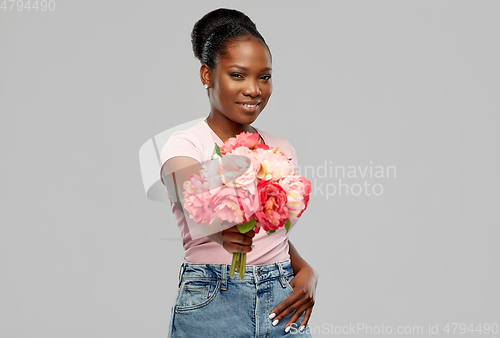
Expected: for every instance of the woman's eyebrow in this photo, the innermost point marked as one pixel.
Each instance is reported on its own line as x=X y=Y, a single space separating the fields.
x=245 y=68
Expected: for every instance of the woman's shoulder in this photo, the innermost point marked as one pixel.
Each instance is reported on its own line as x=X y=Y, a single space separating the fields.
x=190 y=142
x=196 y=132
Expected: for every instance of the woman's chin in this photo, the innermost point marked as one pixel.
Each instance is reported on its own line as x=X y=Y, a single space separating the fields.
x=245 y=118
x=248 y=118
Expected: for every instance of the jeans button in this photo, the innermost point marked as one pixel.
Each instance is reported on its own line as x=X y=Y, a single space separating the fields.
x=259 y=272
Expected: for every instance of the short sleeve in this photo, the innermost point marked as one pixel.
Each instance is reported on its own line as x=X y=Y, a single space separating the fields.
x=181 y=143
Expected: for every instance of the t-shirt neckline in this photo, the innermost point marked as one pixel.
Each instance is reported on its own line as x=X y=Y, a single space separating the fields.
x=213 y=132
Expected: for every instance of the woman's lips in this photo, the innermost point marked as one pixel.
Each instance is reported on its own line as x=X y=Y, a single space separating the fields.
x=250 y=107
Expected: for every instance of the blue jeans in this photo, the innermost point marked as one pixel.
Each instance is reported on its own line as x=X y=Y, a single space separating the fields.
x=211 y=304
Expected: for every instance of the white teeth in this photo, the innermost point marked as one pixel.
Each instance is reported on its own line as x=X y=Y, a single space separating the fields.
x=249 y=105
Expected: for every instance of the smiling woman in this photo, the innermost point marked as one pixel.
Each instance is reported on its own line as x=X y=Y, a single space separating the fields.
x=237 y=75
x=240 y=86
x=278 y=287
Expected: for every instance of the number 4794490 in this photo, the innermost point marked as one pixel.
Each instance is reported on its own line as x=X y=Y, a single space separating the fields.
x=29 y=5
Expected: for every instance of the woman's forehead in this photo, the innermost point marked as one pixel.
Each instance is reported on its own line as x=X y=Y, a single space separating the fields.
x=248 y=53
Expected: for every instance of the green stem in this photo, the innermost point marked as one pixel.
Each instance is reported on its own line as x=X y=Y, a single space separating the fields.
x=240 y=270
x=237 y=262
x=243 y=264
x=233 y=265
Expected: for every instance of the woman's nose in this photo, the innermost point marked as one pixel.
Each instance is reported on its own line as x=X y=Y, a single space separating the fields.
x=252 y=89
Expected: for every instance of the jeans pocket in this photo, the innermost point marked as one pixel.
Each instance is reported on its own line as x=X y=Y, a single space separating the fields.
x=195 y=294
x=288 y=278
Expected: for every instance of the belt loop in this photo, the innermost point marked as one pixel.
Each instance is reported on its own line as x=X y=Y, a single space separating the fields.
x=181 y=270
x=224 y=277
x=282 y=274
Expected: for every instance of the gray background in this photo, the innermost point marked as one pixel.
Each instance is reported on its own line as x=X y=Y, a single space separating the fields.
x=84 y=253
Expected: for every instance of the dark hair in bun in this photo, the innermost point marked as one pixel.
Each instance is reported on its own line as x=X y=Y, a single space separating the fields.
x=214 y=30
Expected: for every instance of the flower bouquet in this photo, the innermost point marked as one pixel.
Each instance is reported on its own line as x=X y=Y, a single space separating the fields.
x=248 y=184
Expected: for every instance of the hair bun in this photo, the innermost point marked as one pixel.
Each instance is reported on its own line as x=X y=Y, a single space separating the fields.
x=213 y=20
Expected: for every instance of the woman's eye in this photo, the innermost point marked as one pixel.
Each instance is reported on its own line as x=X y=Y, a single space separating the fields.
x=239 y=76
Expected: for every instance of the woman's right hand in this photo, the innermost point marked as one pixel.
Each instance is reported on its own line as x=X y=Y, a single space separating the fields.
x=234 y=241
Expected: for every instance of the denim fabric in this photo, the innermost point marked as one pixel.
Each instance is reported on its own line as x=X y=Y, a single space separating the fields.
x=211 y=304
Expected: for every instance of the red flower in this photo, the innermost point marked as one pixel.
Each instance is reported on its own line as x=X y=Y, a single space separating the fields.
x=261 y=146
x=272 y=212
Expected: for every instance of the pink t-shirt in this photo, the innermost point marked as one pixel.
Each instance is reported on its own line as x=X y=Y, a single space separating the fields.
x=198 y=142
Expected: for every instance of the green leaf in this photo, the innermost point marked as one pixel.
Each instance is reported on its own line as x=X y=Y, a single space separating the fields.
x=270 y=232
x=217 y=150
x=246 y=227
x=287 y=225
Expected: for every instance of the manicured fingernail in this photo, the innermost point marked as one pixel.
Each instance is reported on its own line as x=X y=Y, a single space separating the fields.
x=275 y=322
x=287 y=329
x=253 y=247
x=272 y=315
x=301 y=328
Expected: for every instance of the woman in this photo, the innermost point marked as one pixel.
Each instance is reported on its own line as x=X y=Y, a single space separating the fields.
x=276 y=296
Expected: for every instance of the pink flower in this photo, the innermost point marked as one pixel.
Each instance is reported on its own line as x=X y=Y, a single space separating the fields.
x=297 y=189
x=197 y=198
x=243 y=139
x=274 y=164
x=211 y=174
x=272 y=212
x=229 y=145
x=233 y=205
x=247 y=139
x=266 y=147
x=241 y=169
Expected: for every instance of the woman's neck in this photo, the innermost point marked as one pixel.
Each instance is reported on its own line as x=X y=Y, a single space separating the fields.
x=226 y=128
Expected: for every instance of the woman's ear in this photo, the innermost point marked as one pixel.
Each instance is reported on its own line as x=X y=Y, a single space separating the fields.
x=205 y=75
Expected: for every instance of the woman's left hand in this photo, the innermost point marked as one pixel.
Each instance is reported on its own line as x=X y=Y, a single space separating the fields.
x=301 y=300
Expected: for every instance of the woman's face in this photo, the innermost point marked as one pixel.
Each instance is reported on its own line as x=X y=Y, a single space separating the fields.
x=241 y=83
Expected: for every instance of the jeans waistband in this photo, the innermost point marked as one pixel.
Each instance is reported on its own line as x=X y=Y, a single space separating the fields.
x=253 y=273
